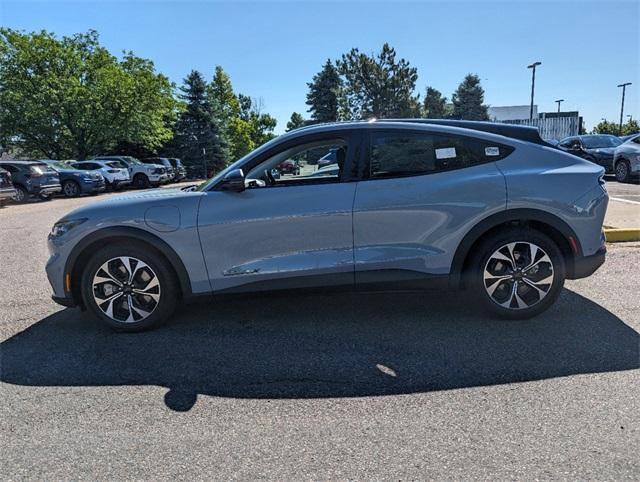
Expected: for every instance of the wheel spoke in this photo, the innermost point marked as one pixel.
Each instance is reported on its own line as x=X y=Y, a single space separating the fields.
x=109 y=310
x=110 y=278
x=494 y=283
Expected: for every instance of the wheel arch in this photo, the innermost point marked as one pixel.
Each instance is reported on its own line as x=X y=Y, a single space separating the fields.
x=81 y=253
x=551 y=225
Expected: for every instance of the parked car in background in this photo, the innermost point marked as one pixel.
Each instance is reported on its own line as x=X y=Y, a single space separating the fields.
x=164 y=162
x=7 y=191
x=328 y=159
x=142 y=175
x=289 y=166
x=77 y=181
x=597 y=148
x=330 y=170
x=179 y=169
x=629 y=136
x=31 y=179
x=115 y=173
x=626 y=159
x=477 y=206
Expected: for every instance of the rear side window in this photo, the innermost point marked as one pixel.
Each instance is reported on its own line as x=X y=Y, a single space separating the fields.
x=406 y=154
x=116 y=164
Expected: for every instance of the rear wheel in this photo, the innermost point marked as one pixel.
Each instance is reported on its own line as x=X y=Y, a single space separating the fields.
x=622 y=171
x=518 y=273
x=129 y=287
x=71 y=189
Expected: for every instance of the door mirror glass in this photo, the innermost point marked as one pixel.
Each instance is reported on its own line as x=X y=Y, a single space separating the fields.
x=233 y=181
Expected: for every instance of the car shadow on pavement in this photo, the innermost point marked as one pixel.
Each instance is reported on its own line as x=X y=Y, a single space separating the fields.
x=311 y=346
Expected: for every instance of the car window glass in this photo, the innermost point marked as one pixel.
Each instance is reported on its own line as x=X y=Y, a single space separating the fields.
x=319 y=161
x=399 y=154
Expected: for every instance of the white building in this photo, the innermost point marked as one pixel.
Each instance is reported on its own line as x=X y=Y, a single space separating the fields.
x=512 y=112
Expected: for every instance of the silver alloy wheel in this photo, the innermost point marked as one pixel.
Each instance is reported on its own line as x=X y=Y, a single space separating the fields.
x=19 y=195
x=126 y=289
x=70 y=189
x=518 y=275
x=621 y=171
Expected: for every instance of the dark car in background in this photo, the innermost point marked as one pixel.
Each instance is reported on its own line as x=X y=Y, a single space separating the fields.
x=289 y=166
x=166 y=163
x=32 y=178
x=75 y=182
x=179 y=169
x=597 y=148
x=7 y=191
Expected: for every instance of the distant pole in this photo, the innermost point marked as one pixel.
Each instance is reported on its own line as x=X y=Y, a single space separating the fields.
x=624 y=87
x=533 y=85
x=204 y=162
x=559 y=101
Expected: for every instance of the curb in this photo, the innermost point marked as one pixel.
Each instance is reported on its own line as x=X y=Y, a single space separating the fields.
x=614 y=235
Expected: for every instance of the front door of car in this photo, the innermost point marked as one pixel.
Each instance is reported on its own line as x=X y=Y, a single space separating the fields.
x=421 y=193
x=285 y=229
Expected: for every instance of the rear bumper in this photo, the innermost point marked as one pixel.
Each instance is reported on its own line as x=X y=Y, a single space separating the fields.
x=587 y=265
x=50 y=189
x=7 y=193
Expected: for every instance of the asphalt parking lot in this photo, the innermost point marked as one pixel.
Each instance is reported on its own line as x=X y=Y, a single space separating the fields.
x=382 y=386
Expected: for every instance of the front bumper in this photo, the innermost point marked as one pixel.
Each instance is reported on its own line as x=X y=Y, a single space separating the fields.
x=64 y=301
x=93 y=187
x=587 y=265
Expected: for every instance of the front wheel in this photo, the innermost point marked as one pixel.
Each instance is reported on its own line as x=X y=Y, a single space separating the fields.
x=71 y=189
x=129 y=287
x=518 y=273
x=622 y=171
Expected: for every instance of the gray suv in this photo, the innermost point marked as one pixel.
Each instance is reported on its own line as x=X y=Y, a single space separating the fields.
x=484 y=207
x=32 y=178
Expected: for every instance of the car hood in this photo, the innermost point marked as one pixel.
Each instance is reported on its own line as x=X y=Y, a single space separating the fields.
x=121 y=205
x=603 y=151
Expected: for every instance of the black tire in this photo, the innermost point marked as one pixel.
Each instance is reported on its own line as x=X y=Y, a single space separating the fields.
x=21 y=196
x=622 y=171
x=141 y=181
x=485 y=253
x=159 y=311
x=71 y=189
x=45 y=197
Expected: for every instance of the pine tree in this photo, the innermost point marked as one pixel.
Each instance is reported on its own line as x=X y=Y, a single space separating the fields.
x=196 y=128
x=225 y=107
x=296 y=121
x=323 y=95
x=379 y=86
x=434 y=106
x=468 y=100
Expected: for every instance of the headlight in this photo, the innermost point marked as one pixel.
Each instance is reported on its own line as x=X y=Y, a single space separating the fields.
x=87 y=178
x=64 y=226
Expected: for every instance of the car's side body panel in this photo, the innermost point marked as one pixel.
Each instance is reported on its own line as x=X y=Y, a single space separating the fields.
x=415 y=223
x=270 y=234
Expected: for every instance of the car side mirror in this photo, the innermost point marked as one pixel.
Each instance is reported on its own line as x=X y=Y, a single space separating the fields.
x=233 y=181
x=576 y=147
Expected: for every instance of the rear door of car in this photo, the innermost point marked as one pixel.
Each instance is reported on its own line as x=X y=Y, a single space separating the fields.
x=420 y=193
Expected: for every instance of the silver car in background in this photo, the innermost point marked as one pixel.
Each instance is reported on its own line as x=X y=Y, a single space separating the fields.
x=626 y=159
x=488 y=208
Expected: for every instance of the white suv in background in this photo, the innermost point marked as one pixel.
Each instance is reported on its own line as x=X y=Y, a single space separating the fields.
x=116 y=174
x=626 y=159
x=142 y=175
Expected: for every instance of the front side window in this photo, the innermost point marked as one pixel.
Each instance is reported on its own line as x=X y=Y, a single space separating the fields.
x=309 y=163
x=406 y=154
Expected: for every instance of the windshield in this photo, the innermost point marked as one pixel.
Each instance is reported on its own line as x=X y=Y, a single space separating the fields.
x=59 y=166
x=594 y=142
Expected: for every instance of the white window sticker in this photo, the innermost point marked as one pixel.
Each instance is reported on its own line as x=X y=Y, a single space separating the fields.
x=492 y=151
x=446 y=153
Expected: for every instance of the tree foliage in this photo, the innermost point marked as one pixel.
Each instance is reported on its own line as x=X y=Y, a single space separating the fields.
x=468 y=100
x=324 y=94
x=613 y=128
x=378 y=85
x=435 y=105
x=70 y=98
x=197 y=134
x=296 y=121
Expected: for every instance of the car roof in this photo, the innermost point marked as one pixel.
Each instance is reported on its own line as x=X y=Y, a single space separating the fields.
x=22 y=162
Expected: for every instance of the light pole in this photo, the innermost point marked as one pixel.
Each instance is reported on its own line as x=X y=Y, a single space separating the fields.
x=624 y=87
x=533 y=85
x=204 y=153
x=559 y=101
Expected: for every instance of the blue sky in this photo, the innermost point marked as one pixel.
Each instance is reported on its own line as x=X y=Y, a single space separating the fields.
x=271 y=49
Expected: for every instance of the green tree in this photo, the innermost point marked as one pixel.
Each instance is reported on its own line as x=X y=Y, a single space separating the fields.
x=468 y=100
x=197 y=135
x=296 y=121
x=323 y=95
x=378 y=86
x=434 y=106
x=225 y=107
x=613 y=128
x=70 y=98
x=261 y=125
